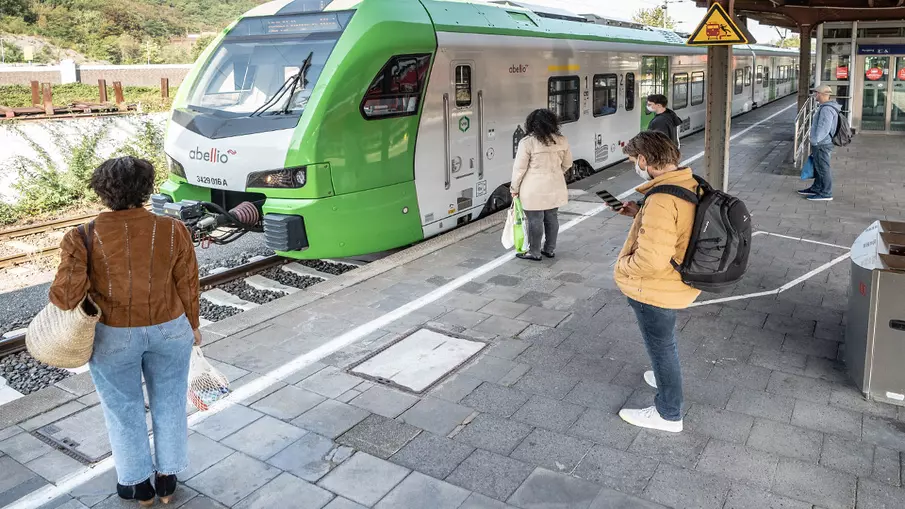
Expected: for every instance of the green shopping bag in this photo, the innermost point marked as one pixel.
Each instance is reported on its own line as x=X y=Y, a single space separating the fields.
x=520 y=226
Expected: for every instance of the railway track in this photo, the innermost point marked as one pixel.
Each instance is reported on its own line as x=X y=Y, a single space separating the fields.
x=36 y=252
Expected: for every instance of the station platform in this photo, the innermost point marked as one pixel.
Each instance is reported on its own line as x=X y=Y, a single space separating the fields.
x=452 y=375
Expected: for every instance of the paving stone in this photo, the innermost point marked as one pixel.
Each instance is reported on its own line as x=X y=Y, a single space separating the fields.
x=52 y=416
x=508 y=349
x=550 y=490
x=551 y=450
x=786 y=362
x=10 y=432
x=597 y=395
x=433 y=455
x=418 y=491
x=549 y=413
x=343 y=503
x=850 y=399
x=463 y=318
x=680 y=449
x=701 y=391
x=24 y=447
x=203 y=453
x=284 y=488
x=622 y=471
x=811 y=346
x=745 y=465
x=34 y=404
x=741 y=375
x=304 y=373
x=329 y=382
x=466 y=301
x=264 y=437
x=827 y=419
x=749 y=497
x=54 y=466
x=544 y=336
x=478 y=501
x=846 y=455
x=786 y=440
x=494 y=434
x=514 y=375
x=588 y=343
x=201 y=502
x=721 y=424
x=884 y=432
x=497 y=400
x=831 y=370
x=678 y=487
x=221 y=483
x=542 y=316
x=490 y=368
x=348 y=396
x=546 y=383
x=551 y=359
x=591 y=368
x=16 y=481
x=68 y=503
x=364 y=479
x=311 y=457
x=611 y=499
x=504 y=280
x=436 y=415
x=379 y=436
x=743 y=316
x=873 y=495
x=490 y=474
x=818 y=485
x=761 y=404
x=227 y=422
x=331 y=418
x=501 y=326
x=288 y=403
x=504 y=308
x=789 y=325
x=605 y=428
x=887 y=466
x=456 y=388
x=382 y=401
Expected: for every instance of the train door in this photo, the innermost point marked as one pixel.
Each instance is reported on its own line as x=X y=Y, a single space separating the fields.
x=464 y=168
x=654 y=80
x=770 y=63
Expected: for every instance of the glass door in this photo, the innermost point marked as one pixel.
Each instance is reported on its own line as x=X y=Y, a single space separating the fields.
x=873 y=106
x=897 y=115
x=654 y=78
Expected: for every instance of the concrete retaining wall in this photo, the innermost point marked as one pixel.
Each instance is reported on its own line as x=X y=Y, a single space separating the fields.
x=69 y=72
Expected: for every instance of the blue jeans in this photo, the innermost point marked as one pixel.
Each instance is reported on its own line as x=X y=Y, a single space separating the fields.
x=823 y=176
x=658 y=328
x=162 y=353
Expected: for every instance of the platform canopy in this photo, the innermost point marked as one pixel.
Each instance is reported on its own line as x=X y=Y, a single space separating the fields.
x=792 y=13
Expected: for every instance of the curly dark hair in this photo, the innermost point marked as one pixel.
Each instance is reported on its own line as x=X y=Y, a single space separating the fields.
x=543 y=125
x=656 y=147
x=123 y=183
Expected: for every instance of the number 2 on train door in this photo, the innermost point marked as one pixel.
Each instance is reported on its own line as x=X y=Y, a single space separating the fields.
x=463 y=138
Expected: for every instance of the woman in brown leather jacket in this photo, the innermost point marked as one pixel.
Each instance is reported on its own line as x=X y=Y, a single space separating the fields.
x=143 y=275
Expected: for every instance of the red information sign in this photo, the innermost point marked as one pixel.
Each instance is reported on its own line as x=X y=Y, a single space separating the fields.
x=901 y=74
x=842 y=73
x=874 y=74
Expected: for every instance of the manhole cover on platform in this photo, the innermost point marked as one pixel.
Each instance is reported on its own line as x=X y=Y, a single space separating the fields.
x=418 y=361
x=82 y=436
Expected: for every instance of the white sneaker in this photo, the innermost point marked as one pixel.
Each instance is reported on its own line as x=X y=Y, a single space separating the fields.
x=650 y=379
x=649 y=418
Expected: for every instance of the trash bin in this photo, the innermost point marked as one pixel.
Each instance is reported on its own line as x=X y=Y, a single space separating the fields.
x=875 y=332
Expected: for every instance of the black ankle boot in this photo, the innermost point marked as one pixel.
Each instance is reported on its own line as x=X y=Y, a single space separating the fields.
x=166 y=486
x=143 y=492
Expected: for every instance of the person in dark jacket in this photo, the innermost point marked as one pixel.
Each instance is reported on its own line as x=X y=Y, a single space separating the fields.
x=666 y=121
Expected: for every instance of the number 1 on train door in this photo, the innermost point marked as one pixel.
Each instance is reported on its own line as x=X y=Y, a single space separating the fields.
x=654 y=80
x=463 y=139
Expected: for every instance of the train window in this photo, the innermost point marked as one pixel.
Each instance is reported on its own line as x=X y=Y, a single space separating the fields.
x=629 y=91
x=747 y=76
x=739 y=81
x=606 y=94
x=679 y=91
x=396 y=90
x=564 y=97
x=760 y=74
x=766 y=76
x=463 y=86
x=697 y=88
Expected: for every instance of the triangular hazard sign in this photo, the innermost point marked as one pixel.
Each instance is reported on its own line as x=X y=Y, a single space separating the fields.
x=717 y=29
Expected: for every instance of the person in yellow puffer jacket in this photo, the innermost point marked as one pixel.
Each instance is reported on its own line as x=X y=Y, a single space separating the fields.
x=644 y=272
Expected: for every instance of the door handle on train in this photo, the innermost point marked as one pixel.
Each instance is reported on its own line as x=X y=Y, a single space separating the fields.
x=898 y=325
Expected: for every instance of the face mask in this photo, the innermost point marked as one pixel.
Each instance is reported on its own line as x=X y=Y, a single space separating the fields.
x=649 y=109
x=644 y=174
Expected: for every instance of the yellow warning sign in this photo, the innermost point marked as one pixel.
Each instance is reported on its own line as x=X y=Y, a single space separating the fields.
x=717 y=29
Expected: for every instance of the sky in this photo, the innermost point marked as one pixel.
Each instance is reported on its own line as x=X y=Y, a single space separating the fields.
x=685 y=12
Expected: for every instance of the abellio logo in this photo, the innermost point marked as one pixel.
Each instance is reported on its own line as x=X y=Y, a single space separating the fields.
x=211 y=156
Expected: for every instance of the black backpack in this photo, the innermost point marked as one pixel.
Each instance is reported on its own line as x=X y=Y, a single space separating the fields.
x=717 y=254
x=843 y=135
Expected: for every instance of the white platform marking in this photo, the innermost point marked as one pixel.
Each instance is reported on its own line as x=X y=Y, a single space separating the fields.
x=262 y=283
x=219 y=297
x=7 y=393
x=303 y=270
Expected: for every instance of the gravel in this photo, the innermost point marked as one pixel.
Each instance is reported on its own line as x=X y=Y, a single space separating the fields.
x=244 y=291
x=14 y=325
x=26 y=375
x=290 y=279
x=233 y=261
x=216 y=313
x=334 y=268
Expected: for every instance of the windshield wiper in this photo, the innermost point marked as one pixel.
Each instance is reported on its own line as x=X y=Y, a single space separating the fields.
x=291 y=83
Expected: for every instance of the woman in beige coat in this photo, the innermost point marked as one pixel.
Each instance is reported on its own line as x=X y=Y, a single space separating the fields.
x=538 y=179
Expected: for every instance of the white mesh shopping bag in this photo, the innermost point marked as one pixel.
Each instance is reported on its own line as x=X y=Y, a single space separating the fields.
x=206 y=384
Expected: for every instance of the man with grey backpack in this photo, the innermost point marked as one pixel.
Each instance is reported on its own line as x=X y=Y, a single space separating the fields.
x=828 y=128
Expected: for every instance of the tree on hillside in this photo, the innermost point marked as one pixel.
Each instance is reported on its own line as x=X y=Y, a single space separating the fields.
x=17 y=8
x=655 y=17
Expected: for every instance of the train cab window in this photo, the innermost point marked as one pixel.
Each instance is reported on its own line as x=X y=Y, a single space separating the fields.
x=606 y=94
x=747 y=76
x=679 y=90
x=396 y=90
x=766 y=76
x=629 y=91
x=463 y=86
x=564 y=97
x=739 y=81
x=697 y=88
x=760 y=74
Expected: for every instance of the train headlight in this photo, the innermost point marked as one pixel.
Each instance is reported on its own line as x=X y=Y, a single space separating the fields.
x=174 y=167
x=285 y=178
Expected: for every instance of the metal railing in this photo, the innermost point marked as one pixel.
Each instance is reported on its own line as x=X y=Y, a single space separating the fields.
x=803 y=131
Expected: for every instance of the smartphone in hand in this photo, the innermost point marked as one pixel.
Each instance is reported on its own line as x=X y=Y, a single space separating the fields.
x=610 y=200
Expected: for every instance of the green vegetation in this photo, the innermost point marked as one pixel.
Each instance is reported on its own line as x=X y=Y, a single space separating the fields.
x=19 y=96
x=122 y=33
x=654 y=17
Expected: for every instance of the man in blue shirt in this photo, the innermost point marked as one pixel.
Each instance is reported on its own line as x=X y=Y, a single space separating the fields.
x=823 y=127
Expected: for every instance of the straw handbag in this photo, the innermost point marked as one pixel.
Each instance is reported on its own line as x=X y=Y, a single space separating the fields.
x=65 y=339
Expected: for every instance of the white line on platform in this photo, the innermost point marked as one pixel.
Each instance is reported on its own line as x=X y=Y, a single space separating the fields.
x=67 y=484
x=800 y=239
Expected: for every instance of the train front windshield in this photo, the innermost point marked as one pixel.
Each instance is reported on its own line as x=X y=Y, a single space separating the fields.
x=251 y=71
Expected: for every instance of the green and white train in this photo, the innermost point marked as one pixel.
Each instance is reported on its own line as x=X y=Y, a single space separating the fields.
x=356 y=126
